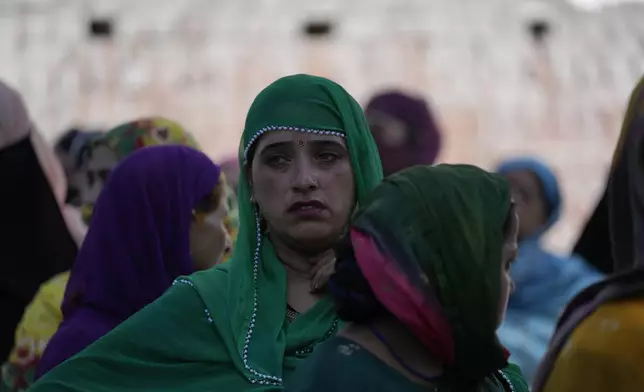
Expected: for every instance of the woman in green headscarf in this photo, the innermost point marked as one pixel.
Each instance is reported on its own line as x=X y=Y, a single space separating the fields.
x=308 y=159
x=423 y=281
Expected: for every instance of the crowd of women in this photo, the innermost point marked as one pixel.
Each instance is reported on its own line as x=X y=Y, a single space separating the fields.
x=331 y=254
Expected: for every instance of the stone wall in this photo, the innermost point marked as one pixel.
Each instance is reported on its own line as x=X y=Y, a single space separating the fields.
x=507 y=77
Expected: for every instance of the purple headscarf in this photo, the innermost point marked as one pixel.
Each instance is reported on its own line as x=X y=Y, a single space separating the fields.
x=137 y=245
x=418 y=137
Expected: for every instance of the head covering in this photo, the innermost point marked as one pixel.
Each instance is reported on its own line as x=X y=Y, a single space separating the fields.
x=429 y=241
x=36 y=242
x=545 y=282
x=137 y=245
x=69 y=149
x=422 y=141
x=548 y=181
x=594 y=244
x=14 y=120
x=626 y=217
x=299 y=103
x=71 y=145
x=231 y=319
x=104 y=152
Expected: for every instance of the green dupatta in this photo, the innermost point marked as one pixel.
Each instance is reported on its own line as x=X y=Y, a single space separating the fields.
x=438 y=232
x=224 y=329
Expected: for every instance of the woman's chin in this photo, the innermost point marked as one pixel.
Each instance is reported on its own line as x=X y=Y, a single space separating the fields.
x=314 y=234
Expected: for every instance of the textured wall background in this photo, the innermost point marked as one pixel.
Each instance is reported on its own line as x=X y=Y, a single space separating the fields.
x=498 y=90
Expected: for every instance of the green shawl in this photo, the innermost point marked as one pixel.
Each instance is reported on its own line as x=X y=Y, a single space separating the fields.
x=224 y=329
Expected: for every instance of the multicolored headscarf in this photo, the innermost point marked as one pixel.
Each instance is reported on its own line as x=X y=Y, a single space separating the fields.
x=625 y=192
x=429 y=241
x=404 y=129
x=102 y=154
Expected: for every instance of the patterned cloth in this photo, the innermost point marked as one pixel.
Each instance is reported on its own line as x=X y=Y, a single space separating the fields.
x=39 y=323
x=104 y=153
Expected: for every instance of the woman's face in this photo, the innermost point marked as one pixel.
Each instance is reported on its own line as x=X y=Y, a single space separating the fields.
x=510 y=248
x=209 y=238
x=530 y=204
x=304 y=187
x=387 y=130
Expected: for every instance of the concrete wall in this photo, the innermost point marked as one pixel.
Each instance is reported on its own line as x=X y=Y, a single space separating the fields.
x=498 y=90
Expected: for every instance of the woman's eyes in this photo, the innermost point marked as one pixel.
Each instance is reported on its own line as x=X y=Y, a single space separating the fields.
x=277 y=160
x=328 y=157
x=280 y=160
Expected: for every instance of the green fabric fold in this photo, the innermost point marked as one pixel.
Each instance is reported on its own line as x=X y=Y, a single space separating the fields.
x=196 y=337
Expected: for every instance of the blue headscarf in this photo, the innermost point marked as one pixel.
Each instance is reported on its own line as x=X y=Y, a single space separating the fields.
x=548 y=182
x=545 y=282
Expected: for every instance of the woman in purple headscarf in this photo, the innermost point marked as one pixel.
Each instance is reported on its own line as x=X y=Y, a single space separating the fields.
x=404 y=130
x=159 y=206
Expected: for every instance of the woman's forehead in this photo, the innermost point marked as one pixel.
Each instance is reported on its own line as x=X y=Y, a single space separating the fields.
x=285 y=137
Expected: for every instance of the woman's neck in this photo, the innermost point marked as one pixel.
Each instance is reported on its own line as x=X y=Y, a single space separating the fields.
x=300 y=264
x=402 y=350
x=300 y=270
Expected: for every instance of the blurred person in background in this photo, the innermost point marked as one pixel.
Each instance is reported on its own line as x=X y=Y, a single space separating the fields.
x=404 y=129
x=104 y=153
x=599 y=342
x=422 y=282
x=307 y=158
x=160 y=215
x=545 y=282
x=69 y=148
x=97 y=158
x=37 y=231
x=230 y=166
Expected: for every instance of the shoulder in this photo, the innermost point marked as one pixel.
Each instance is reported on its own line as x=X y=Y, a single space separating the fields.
x=336 y=357
x=612 y=327
x=604 y=352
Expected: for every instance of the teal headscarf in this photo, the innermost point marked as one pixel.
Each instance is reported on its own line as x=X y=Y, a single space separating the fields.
x=429 y=240
x=225 y=329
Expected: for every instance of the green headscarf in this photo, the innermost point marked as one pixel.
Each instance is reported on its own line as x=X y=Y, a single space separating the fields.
x=436 y=234
x=254 y=309
x=225 y=329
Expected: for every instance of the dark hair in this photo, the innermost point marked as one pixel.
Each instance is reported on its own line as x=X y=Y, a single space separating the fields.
x=354 y=300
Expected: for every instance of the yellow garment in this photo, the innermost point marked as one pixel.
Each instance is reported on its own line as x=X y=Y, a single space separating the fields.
x=604 y=353
x=39 y=323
